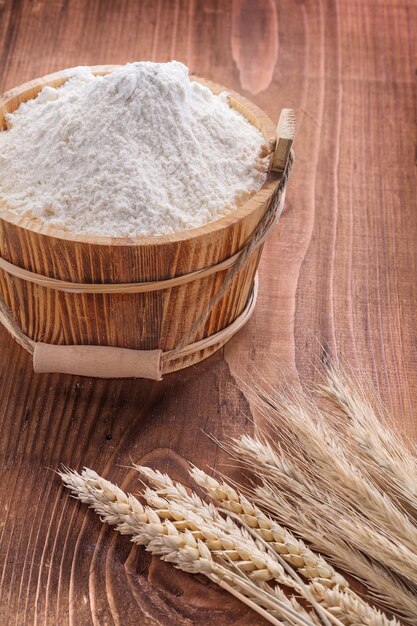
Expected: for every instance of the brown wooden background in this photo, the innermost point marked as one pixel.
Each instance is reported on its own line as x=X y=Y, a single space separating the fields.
x=339 y=274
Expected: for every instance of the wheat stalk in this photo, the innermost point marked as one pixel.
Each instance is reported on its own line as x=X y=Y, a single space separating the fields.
x=173 y=541
x=342 y=600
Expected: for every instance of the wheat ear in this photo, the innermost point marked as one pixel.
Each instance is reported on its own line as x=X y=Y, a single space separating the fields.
x=315 y=465
x=172 y=499
x=311 y=565
x=351 y=606
x=309 y=519
x=387 y=459
x=318 y=494
x=302 y=427
x=169 y=547
x=193 y=556
x=341 y=600
x=173 y=542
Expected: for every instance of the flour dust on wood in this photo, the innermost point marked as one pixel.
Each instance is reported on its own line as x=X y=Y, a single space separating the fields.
x=140 y=151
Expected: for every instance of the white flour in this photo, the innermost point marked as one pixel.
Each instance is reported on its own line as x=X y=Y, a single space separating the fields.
x=142 y=151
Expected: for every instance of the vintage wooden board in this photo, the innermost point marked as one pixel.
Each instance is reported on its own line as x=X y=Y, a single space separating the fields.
x=339 y=274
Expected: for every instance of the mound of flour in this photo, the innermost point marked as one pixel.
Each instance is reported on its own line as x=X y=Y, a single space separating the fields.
x=141 y=151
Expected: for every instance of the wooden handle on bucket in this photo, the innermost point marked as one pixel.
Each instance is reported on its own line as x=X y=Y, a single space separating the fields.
x=285 y=138
x=97 y=361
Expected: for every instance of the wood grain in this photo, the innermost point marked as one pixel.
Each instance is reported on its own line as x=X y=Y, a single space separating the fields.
x=254 y=42
x=339 y=275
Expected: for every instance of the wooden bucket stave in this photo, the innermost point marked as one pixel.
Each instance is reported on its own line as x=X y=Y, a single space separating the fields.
x=139 y=321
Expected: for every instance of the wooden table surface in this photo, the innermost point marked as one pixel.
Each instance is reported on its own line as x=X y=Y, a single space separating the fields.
x=339 y=275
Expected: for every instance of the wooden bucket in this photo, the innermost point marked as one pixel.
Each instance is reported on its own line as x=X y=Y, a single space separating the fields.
x=43 y=272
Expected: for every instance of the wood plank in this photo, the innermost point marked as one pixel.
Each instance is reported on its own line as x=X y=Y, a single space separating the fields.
x=337 y=275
